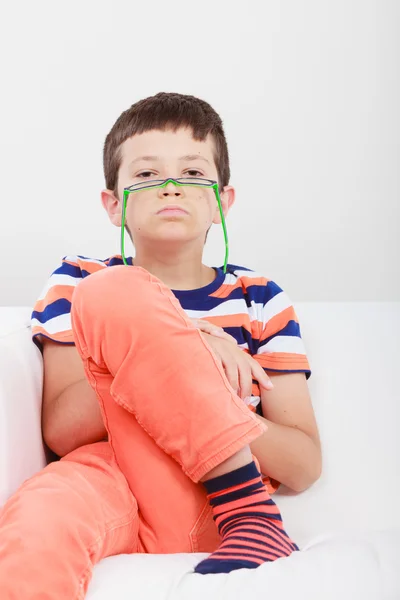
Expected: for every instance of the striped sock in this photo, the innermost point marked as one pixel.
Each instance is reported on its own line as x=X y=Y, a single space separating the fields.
x=248 y=521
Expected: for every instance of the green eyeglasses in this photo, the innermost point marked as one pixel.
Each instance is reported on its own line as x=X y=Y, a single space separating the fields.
x=160 y=183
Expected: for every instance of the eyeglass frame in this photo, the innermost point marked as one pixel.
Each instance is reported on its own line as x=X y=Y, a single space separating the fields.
x=211 y=184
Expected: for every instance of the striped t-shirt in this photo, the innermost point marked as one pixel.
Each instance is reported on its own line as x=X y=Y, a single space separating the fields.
x=247 y=305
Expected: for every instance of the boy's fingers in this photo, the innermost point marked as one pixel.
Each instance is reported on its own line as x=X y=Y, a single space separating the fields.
x=264 y=380
x=199 y=324
x=231 y=374
x=213 y=330
x=260 y=375
x=219 y=332
x=246 y=383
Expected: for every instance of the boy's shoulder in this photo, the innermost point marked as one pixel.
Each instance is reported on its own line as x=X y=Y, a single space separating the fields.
x=51 y=312
x=251 y=280
x=242 y=272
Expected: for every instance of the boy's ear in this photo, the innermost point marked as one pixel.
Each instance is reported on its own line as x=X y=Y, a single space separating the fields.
x=228 y=196
x=112 y=206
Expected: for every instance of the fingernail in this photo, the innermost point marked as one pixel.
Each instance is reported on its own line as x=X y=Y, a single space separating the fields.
x=270 y=384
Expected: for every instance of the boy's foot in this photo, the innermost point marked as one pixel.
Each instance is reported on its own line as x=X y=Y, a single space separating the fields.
x=248 y=521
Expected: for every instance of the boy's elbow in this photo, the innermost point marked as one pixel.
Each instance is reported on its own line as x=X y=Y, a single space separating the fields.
x=72 y=419
x=55 y=438
x=306 y=478
x=58 y=432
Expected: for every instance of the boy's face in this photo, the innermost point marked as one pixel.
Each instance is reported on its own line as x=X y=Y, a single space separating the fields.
x=167 y=154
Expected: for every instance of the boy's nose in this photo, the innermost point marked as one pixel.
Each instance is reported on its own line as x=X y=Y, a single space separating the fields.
x=171 y=188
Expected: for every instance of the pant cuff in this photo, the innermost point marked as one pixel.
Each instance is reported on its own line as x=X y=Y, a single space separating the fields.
x=207 y=465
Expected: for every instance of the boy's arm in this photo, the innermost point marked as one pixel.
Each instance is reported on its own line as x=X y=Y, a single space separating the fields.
x=71 y=415
x=290 y=451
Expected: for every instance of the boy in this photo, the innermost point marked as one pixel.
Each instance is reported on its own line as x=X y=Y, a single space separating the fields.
x=159 y=451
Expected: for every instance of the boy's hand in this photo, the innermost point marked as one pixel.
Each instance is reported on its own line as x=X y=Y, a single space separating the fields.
x=214 y=330
x=240 y=368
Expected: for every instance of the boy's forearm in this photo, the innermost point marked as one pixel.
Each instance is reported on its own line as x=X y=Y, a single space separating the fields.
x=287 y=455
x=73 y=420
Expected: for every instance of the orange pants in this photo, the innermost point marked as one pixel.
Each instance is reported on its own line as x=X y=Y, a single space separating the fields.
x=171 y=417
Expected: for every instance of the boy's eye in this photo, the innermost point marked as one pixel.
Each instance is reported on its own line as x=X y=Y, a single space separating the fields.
x=191 y=173
x=197 y=173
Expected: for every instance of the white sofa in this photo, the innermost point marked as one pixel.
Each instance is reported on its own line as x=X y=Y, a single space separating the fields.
x=347 y=524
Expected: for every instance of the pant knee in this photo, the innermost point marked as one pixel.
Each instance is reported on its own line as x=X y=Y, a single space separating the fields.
x=116 y=298
x=112 y=292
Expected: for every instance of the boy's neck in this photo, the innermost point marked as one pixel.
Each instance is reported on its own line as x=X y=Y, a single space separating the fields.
x=177 y=275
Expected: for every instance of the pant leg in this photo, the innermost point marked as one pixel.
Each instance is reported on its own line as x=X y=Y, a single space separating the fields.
x=170 y=412
x=142 y=353
x=61 y=522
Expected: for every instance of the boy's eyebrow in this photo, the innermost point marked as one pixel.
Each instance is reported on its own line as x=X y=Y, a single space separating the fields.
x=186 y=157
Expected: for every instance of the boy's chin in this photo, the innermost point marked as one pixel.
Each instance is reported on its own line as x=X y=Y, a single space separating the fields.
x=173 y=236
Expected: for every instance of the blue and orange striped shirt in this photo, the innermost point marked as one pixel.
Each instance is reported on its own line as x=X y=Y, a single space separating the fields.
x=247 y=305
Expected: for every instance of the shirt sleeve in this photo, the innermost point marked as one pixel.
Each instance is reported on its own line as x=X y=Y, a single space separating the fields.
x=281 y=347
x=51 y=316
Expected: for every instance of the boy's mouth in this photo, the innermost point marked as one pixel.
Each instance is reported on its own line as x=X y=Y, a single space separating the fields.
x=172 y=209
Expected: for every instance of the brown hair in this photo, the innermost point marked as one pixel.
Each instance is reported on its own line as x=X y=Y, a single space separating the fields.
x=163 y=111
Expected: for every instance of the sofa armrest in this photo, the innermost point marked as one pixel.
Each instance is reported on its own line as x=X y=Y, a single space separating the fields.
x=22 y=452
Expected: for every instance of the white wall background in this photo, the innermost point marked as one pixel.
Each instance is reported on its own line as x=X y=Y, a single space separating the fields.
x=309 y=94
